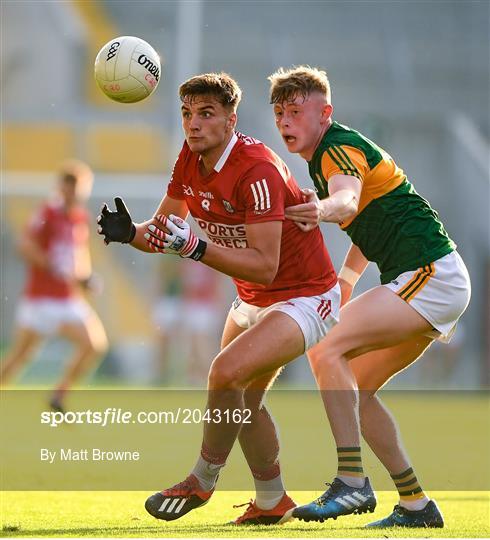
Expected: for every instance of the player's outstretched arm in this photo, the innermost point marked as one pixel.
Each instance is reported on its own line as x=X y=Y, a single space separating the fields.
x=257 y=263
x=342 y=203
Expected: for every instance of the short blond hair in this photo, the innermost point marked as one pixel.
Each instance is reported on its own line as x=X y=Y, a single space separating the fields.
x=287 y=84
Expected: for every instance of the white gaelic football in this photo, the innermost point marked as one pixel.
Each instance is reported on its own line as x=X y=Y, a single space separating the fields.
x=127 y=69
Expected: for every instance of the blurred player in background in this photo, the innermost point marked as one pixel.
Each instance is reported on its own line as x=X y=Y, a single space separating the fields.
x=202 y=298
x=425 y=290
x=55 y=249
x=167 y=314
x=288 y=298
x=187 y=314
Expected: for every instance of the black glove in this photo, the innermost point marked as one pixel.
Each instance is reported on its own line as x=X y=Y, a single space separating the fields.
x=116 y=226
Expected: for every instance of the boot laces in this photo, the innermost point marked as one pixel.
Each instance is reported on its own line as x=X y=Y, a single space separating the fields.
x=400 y=510
x=251 y=510
x=331 y=492
x=184 y=488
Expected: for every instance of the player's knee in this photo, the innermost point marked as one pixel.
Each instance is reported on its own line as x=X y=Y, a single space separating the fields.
x=222 y=379
x=323 y=362
x=223 y=375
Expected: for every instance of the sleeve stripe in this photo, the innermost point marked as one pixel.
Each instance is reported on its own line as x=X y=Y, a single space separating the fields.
x=261 y=194
x=335 y=159
x=252 y=187
x=267 y=194
x=341 y=153
x=342 y=164
x=344 y=153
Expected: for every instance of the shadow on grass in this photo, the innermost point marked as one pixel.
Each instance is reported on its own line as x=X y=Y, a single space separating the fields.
x=209 y=531
x=109 y=532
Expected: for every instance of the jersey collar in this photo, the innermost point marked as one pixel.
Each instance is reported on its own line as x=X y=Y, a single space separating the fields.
x=224 y=156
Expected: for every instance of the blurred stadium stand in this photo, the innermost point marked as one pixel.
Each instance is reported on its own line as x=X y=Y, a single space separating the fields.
x=414 y=76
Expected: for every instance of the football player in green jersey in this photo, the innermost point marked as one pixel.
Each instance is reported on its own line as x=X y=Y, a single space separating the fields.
x=425 y=288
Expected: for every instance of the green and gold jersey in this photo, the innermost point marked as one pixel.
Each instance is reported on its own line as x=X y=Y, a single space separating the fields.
x=394 y=227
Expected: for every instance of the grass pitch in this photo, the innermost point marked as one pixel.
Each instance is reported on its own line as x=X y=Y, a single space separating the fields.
x=122 y=514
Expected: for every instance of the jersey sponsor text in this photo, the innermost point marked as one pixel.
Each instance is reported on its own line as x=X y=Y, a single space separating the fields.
x=221 y=234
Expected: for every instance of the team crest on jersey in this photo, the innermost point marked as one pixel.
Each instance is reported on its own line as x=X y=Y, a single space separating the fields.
x=228 y=207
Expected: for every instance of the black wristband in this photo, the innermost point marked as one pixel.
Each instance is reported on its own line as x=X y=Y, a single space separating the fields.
x=200 y=250
x=132 y=234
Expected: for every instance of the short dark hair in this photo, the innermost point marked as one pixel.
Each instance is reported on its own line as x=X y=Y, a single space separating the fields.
x=219 y=85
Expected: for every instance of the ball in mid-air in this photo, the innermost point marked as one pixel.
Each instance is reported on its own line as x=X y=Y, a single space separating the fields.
x=127 y=69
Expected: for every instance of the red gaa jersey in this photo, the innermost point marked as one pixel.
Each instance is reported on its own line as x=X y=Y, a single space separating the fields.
x=58 y=233
x=251 y=184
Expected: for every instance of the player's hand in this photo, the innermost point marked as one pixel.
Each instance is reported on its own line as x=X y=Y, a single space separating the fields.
x=346 y=290
x=307 y=216
x=178 y=240
x=116 y=226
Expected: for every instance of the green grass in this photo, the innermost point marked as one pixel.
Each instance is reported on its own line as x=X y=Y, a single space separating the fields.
x=121 y=514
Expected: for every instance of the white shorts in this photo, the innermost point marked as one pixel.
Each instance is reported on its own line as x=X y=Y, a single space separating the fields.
x=315 y=315
x=46 y=316
x=439 y=291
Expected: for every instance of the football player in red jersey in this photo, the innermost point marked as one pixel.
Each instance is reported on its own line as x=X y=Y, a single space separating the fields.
x=55 y=249
x=288 y=298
